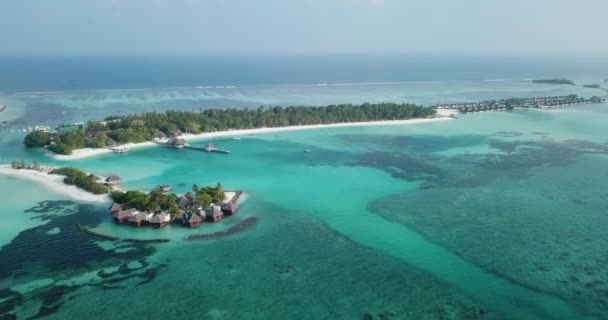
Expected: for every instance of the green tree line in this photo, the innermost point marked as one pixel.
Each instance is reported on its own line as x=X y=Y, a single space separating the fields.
x=140 y=128
x=81 y=180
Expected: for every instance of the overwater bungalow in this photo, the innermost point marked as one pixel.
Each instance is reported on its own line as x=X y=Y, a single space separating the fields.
x=138 y=218
x=160 y=220
x=177 y=143
x=115 y=208
x=191 y=219
x=229 y=208
x=123 y=215
x=214 y=214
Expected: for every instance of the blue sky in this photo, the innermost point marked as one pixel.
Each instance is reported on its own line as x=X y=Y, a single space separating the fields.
x=302 y=26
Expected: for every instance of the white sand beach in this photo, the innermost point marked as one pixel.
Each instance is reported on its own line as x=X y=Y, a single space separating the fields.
x=53 y=182
x=91 y=152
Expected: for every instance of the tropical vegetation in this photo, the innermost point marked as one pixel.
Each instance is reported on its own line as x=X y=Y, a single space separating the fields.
x=81 y=180
x=156 y=200
x=555 y=81
x=37 y=139
x=140 y=128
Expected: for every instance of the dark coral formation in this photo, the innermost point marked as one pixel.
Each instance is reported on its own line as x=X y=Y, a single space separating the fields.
x=37 y=253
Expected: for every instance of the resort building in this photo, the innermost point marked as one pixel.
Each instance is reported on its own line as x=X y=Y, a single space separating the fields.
x=214 y=214
x=177 y=143
x=184 y=202
x=115 y=208
x=191 y=219
x=110 y=143
x=160 y=220
x=123 y=215
x=159 y=135
x=229 y=208
x=177 y=133
x=101 y=136
x=138 y=218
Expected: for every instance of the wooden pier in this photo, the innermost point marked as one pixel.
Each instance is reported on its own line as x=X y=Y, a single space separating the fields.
x=209 y=148
x=173 y=143
x=519 y=103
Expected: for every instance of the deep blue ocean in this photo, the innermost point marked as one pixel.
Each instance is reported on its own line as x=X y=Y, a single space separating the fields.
x=76 y=73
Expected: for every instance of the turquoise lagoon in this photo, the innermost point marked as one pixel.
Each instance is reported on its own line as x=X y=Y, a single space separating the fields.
x=496 y=215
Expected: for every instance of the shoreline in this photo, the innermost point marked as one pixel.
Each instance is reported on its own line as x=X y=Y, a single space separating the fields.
x=54 y=183
x=91 y=152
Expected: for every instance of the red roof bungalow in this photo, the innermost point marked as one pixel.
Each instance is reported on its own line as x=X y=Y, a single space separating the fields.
x=115 y=208
x=138 y=219
x=160 y=220
x=192 y=220
x=229 y=208
x=123 y=215
x=214 y=214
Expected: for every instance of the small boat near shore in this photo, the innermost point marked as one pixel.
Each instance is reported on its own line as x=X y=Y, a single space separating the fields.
x=2 y=107
x=120 y=150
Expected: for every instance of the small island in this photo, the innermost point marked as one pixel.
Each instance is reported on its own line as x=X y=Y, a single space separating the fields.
x=159 y=208
x=156 y=208
x=74 y=177
x=555 y=81
x=168 y=127
x=592 y=86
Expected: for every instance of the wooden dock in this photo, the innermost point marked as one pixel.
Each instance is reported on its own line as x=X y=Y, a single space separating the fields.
x=209 y=148
x=519 y=103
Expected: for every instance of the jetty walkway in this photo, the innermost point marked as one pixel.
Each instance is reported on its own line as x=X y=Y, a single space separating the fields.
x=519 y=103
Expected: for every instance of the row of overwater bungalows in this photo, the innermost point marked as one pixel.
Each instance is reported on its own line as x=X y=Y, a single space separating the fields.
x=192 y=218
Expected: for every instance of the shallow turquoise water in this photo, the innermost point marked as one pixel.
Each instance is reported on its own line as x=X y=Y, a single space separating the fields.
x=493 y=215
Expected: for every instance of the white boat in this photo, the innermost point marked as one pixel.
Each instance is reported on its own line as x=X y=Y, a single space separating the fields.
x=307 y=150
x=236 y=138
x=120 y=150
